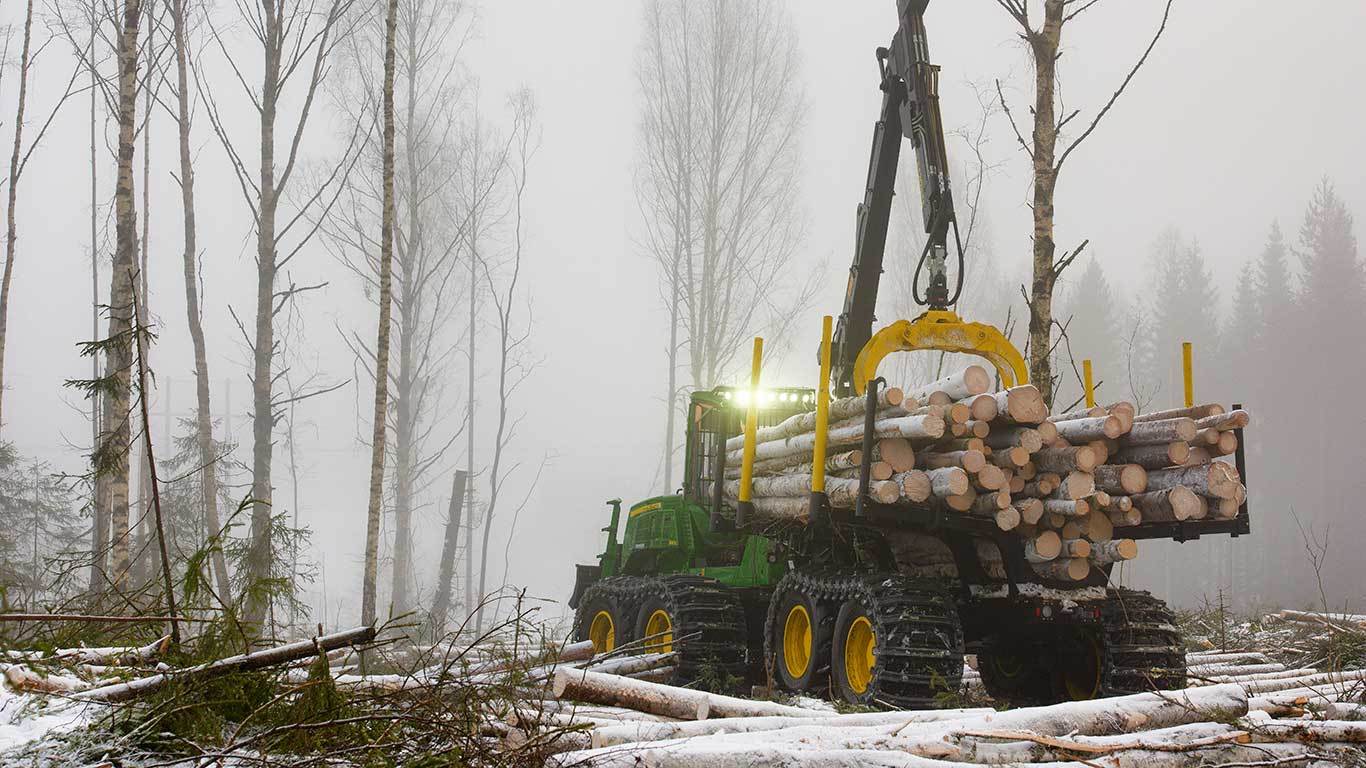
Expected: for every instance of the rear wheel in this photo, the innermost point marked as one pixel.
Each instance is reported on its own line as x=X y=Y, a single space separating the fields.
x=1015 y=671
x=797 y=635
x=897 y=642
x=702 y=623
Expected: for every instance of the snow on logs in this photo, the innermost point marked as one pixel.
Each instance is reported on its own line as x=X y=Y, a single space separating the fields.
x=1063 y=483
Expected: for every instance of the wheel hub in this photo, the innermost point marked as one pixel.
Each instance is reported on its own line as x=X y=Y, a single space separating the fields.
x=660 y=628
x=602 y=632
x=859 y=654
x=797 y=641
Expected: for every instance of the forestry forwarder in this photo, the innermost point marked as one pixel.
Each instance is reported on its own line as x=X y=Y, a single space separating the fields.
x=827 y=607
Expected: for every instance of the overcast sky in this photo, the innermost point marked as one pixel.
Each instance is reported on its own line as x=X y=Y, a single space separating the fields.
x=1242 y=108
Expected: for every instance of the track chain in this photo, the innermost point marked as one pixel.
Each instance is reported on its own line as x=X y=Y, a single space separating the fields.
x=813 y=585
x=920 y=639
x=1143 y=647
x=624 y=594
x=712 y=619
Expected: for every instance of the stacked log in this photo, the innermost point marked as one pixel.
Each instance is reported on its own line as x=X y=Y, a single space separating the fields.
x=1067 y=484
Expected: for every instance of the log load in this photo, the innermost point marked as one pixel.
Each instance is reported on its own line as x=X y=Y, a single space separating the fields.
x=1062 y=483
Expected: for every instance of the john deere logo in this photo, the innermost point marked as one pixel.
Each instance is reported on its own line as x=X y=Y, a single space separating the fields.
x=643 y=508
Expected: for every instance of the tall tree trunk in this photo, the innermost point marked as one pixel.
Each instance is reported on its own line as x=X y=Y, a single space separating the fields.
x=11 y=230
x=121 y=310
x=671 y=390
x=261 y=553
x=386 y=259
x=441 y=601
x=469 y=415
x=145 y=553
x=203 y=414
x=99 y=526
x=1044 y=46
x=405 y=429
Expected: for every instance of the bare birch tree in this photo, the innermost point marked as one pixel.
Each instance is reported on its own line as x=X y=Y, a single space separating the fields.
x=433 y=143
x=378 y=437
x=1045 y=44
x=717 y=179
x=113 y=453
x=514 y=364
x=190 y=260
x=19 y=157
x=296 y=42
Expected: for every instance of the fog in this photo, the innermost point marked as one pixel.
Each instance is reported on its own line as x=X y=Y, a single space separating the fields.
x=1239 y=113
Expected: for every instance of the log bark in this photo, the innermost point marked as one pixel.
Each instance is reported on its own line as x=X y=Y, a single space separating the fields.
x=635 y=732
x=841 y=409
x=1064 y=569
x=1121 y=479
x=1228 y=443
x=1130 y=516
x=668 y=700
x=1063 y=460
x=925 y=429
x=1156 y=456
x=1048 y=431
x=1021 y=405
x=915 y=485
x=1225 y=422
x=1073 y=508
x=1078 y=431
x=1043 y=548
x=973 y=380
x=1009 y=457
x=981 y=407
x=948 y=481
x=1007 y=519
x=1077 y=485
x=1198 y=412
x=833 y=463
x=1159 y=432
x=241 y=663
x=1215 y=479
x=1171 y=504
x=1113 y=551
x=991 y=503
x=971 y=461
x=1031 y=510
x=1081 y=413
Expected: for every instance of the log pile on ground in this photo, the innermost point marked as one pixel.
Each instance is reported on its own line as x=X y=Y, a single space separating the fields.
x=1069 y=485
x=560 y=704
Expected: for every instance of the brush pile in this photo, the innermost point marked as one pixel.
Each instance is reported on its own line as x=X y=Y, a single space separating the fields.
x=1069 y=485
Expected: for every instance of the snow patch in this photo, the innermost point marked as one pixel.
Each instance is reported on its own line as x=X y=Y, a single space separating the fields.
x=28 y=717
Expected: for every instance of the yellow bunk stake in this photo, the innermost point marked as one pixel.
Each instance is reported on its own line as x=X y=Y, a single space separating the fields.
x=746 y=505
x=1090 y=388
x=818 y=498
x=1186 y=372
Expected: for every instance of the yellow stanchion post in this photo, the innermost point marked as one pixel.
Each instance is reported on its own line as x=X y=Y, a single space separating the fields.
x=1187 y=373
x=746 y=504
x=819 y=501
x=1090 y=387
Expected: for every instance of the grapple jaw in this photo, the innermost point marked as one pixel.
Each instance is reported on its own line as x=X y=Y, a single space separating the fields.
x=941 y=330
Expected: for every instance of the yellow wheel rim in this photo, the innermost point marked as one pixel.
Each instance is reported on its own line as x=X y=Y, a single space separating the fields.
x=859 y=654
x=660 y=627
x=797 y=641
x=1082 y=679
x=602 y=632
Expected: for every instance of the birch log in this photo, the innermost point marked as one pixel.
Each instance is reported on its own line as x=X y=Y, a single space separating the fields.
x=1064 y=568
x=1171 y=504
x=1155 y=456
x=1160 y=432
x=971 y=461
x=973 y=380
x=1121 y=479
x=1198 y=412
x=1021 y=405
x=1216 y=479
x=923 y=428
x=1085 y=430
x=915 y=485
x=1063 y=460
x=1113 y=551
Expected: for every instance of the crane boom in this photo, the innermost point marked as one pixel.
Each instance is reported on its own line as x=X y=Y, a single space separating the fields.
x=910 y=108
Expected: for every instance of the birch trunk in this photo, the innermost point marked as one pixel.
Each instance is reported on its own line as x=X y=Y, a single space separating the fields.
x=445 y=572
x=11 y=232
x=386 y=260
x=203 y=414
x=122 y=311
